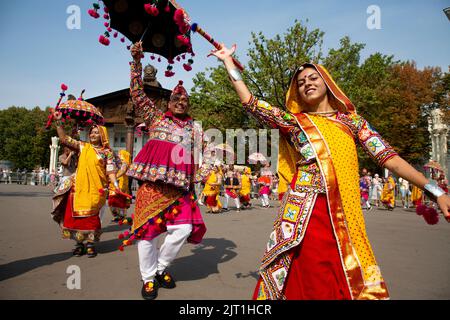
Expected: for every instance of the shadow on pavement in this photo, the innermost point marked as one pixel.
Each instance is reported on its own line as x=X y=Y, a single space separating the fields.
x=27 y=194
x=253 y=274
x=19 y=267
x=204 y=261
x=115 y=228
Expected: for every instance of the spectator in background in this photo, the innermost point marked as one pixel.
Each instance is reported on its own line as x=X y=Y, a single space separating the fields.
x=404 y=192
x=377 y=187
x=19 y=176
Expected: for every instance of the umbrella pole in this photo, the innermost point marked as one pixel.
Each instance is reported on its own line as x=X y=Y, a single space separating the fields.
x=145 y=32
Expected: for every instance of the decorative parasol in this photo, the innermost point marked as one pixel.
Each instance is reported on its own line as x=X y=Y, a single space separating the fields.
x=433 y=165
x=257 y=156
x=162 y=26
x=226 y=149
x=81 y=111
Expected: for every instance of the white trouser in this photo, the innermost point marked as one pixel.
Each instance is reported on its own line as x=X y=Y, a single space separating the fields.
x=152 y=261
x=265 y=199
x=101 y=214
x=236 y=201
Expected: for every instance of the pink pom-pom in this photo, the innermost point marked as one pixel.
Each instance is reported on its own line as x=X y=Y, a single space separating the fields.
x=152 y=57
x=159 y=59
x=106 y=16
x=178 y=16
x=109 y=29
x=64 y=87
x=431 y=216
x=148 y=8
x=167 y=8
x=104 y=40
x=184 y=40
x=126 y=234
x=106 y=9
x=187 y=67
x=115 y=34
x=183 y=28
x=420 y=209
x=106 y=24
x=151 y=9
x=169 y=73
x=122 y=39
x=93 y=13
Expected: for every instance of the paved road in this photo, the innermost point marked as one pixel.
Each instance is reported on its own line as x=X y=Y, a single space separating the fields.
x=34 y=260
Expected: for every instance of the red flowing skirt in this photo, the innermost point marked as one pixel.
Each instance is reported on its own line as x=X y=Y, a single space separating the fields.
x=211 y=201
x=85 y=224
x=316 y=271
x=118 y=201
x=245 y=199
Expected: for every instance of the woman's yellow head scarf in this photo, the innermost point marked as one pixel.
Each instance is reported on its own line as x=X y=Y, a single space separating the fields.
x=103 y=135
x=125 y=156
x=287 y=155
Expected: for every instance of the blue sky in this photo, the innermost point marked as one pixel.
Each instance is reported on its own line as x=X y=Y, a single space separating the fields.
x=39 y=52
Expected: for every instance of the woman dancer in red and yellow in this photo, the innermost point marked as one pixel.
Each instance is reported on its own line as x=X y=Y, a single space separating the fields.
x=212 y=190
x=388 y=195
x=318 y=248
x=246 y=188
x=80 y=218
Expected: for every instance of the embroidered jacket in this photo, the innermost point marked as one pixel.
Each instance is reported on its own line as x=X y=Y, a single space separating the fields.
x=168 y=154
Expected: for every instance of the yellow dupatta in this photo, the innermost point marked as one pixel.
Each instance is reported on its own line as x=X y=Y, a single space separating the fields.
x=339 y=168
x=90 y=178
x=388 y=195
x=210 y=189
x=125 y=157
x=245 y=182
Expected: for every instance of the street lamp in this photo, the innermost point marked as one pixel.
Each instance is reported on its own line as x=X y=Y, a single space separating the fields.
x=447 y=12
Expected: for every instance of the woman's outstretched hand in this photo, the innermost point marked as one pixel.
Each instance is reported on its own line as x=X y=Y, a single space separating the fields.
x=444 y=204
x=223 y=53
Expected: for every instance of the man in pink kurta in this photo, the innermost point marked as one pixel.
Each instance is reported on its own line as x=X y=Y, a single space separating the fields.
x=165 y=169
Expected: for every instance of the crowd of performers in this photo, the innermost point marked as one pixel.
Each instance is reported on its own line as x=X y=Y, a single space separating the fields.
x=318 y=248
x=239 y=185
x=383 y=192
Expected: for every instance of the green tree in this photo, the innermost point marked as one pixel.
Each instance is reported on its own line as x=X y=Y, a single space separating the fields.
x=394 y=96
x=24 y=140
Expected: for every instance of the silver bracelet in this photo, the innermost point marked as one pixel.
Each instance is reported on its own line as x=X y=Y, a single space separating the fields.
x=116 y=184
x=434 y=190
x=235 y=74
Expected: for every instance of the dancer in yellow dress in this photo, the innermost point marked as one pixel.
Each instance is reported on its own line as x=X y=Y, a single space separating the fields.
x=388 y=195
x=318 y=248
x=212 y=190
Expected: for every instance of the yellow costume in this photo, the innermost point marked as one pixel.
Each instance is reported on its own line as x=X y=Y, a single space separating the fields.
x=317 y=159
x=118 y=203
x=416 y=195
x=212 y=191
x=388 y=195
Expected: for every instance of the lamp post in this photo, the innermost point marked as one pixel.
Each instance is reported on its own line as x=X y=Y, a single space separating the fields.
x=447 y=12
